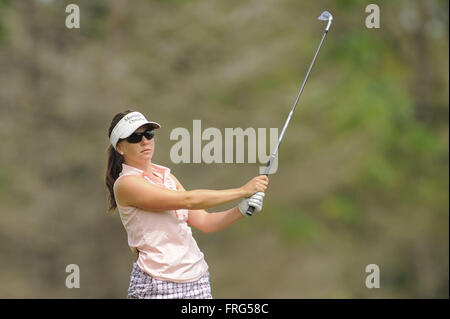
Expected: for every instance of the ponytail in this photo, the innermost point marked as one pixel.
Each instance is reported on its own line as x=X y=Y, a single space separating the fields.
x=114 y=164
x=113 y=169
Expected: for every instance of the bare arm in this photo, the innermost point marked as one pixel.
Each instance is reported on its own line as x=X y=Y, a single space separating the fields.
x=137 y=192
x=210 y=222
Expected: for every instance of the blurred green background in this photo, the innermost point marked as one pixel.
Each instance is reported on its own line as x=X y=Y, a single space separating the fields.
x=363 y=169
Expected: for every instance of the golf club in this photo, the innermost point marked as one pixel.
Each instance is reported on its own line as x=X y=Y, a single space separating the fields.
x=325 y=16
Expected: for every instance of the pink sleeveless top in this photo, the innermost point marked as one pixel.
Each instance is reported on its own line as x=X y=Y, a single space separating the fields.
x=167 y=250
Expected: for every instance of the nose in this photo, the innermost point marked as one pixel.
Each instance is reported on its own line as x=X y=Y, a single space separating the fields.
x=145 y=140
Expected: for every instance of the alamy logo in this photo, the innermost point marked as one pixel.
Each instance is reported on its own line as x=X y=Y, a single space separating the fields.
x=373 y=19
x=373 y=279
x=212 y=152
x=73 y=279
x=73 y=19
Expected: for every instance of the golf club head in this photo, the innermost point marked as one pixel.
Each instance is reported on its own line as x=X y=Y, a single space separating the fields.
x=326 y=16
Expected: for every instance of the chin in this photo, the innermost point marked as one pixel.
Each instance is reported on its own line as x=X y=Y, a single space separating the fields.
x=147 y=156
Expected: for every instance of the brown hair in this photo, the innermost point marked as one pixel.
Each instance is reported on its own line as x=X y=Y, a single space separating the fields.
x=114 y=163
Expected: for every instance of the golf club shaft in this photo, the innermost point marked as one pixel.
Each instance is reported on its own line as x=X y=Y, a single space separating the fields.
x=251 y=209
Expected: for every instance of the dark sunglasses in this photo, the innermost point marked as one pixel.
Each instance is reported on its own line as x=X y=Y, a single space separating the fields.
x=137 y=137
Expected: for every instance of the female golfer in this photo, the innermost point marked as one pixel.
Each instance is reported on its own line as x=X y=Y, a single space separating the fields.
x=156 y=210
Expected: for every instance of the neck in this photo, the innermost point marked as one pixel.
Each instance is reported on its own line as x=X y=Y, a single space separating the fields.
x=144 y=166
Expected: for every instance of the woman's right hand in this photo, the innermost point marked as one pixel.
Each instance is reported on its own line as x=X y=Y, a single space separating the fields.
x=256 y=184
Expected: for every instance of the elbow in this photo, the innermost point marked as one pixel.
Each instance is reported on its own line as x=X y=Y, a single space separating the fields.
x=201 y=220
x=207 y=230
x=190 y=201
x=207 y=226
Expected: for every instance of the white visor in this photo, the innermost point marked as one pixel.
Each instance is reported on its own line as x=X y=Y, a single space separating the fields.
x=127 y=125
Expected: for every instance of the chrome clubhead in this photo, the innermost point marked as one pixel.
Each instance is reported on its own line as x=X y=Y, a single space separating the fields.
x=326 y=16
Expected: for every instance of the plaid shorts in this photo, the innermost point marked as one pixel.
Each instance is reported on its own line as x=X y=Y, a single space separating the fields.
x=143 y=286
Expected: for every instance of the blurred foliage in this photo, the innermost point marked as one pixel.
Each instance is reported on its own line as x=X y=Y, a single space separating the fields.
x=363 y=170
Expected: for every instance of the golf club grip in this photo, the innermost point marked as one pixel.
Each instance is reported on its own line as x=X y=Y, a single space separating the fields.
x=250 y=210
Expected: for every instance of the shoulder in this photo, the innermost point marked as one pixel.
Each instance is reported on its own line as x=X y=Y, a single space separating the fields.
x=126 y=182
x=124 y=188
x=131 y=190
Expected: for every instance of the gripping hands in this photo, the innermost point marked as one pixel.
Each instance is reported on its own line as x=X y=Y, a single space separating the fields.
x=256 y=200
